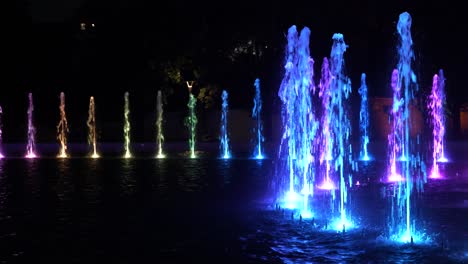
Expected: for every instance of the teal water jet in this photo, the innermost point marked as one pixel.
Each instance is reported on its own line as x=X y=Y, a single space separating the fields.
x=191 y=123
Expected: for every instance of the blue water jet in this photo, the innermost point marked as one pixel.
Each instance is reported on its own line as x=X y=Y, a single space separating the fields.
x=340 y=89
x=256 y=114
x=326 y=138
x=412 y=168
x=224 y=138
x=364 y=119
x=297 y=175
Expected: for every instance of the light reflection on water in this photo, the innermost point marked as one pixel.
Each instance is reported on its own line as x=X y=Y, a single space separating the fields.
x=187 y=205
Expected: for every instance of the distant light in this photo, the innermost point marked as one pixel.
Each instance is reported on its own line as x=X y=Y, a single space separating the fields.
x=83 y=26
x=93 y=25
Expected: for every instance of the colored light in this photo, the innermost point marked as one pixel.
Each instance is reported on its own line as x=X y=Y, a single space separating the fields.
x=224 y=137
x=256 y=113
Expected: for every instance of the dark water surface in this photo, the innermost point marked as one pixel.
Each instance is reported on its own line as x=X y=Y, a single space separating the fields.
x=143 y=210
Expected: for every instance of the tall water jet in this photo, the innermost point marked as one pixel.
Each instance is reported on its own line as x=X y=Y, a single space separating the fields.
x=91 y=123
x=326 y=138
x=159 y=121
x=31 y=147
x=395 y=137
x=340 y=88
x=126 y=129
x=1 y=132
x=436 y=109
x=299 y=124
x=191 y=124
x=62 y=128
x=256 y=114
x=364 y=119
x=223 y=134
x=411 y=167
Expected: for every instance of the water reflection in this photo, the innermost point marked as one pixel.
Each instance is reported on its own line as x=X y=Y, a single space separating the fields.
x=31 y=167
x=3 y=187
x=64 y=184
x=128 y=181
x=84 y=202
x=190 y=177
x=225 y=168
x=161 y=169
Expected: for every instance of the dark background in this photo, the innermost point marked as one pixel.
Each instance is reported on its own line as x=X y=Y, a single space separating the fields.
x=46 y=52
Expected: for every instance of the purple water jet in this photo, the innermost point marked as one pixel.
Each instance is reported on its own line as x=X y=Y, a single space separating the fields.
x=31 y=147
x=436 y=109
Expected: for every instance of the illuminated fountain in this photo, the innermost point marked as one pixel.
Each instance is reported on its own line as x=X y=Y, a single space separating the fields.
x=326 y=139
x=159 y=121
x=395 y=137
x=297 y=175
x=62 y=128
x=408 y=174
x=31 y=147
x=256 y=113
x=224 y=139
x=191 y=124
x=364 y=119
x=126 y=129
x=91 y=123
x=1 y=132
x=436 y=109
x=342 y=161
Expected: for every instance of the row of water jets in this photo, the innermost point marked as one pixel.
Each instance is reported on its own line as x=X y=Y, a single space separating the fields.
x=315 y=155
x=190 y=122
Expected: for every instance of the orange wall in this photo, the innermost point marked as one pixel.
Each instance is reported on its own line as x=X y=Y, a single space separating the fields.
x=380 y=124
x=464 y=122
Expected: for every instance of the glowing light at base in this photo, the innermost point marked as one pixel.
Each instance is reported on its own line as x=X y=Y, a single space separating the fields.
x=91 y=123
x=364 y=119
x=224 y=138
x=296 y=175
x=405 y=238
x=159 y=122
x=435 y=174
x=126 y=129
x=259 y=157
x=256 y=113
x=327 y=185
x=31 y=146
x=62 y=128
x=402 y=144
x=443 y=160
x=436 y=109
x=1 y=132
x=395 y=177
x=292 y=200
x=30 y=156
x=191 y=123
x=306 y=214
x=342 y=223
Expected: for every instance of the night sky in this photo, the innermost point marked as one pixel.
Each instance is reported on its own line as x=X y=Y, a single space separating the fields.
x=47 y=52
